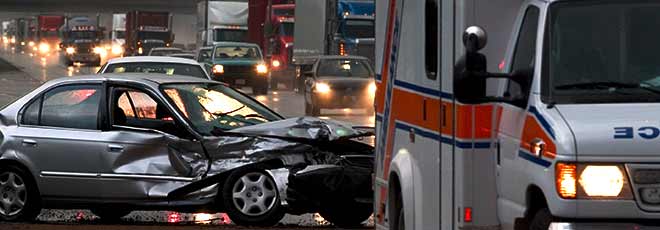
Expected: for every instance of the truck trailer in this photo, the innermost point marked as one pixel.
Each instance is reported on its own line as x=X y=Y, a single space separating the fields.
x=222 y=21
x=146 y=30
x=332 y=27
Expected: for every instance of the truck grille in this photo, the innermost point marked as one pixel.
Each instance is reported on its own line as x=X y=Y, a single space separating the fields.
x=237 y=70
x=84 y=48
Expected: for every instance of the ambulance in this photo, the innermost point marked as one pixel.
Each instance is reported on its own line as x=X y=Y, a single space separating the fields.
x=517 y=114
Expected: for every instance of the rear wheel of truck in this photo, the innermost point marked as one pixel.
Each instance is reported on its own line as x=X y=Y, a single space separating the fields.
x=19 y=197
x=347 y=214
x=541 y=220
x=251 y=198
x=110 y=214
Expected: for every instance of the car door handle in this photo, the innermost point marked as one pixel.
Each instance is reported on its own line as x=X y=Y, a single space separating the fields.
x=115 y=148
x=29 y=142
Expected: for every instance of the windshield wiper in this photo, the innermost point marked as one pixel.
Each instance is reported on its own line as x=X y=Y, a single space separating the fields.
x=230 y=112
x=598 y=85
x=609 y=85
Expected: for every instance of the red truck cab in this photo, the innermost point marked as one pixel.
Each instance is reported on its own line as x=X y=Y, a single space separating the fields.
x=47 y=36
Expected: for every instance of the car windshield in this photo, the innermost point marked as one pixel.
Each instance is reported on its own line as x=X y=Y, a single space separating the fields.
x=343 y=68
x=157 y=67
x=165 y=52
x=83 y=35
x=286 y=29
x=359 y=28
x=603 y=52
x=212 y=107
x=284 y=12
x=237 y=52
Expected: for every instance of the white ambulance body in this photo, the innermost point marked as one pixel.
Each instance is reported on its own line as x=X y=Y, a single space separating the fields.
x=566 y=137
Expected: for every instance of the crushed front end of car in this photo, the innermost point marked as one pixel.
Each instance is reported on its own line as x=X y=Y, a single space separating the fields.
x=316 y=165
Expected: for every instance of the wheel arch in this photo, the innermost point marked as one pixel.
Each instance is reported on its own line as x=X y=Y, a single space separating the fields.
x=402 y=167
x=534 y=200
x=22 y=166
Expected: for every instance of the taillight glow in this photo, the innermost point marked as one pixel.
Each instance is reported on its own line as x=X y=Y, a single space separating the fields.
x=468 y=215
x=174 y=217
x=342 y=49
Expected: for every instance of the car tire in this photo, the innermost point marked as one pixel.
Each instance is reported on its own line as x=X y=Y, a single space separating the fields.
x=110 y=214
x=17 y=186
x=347 y=214
x=251 y=198
x=541 y=220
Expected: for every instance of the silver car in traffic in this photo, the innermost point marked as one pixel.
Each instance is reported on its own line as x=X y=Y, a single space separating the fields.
x=118 y=143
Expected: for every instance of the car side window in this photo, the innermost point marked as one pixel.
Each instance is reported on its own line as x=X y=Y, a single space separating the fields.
x=525 y=53
x=71 y=106
x=431 y=39
x=135 y=108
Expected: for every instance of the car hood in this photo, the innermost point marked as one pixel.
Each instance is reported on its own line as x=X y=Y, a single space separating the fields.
x=310 y=128
x=237 y=61
x=614 y=129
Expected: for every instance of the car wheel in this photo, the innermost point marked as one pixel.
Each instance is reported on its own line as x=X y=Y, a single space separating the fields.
x=19 y=197
x=541 y=220
x=251 y=198
x=110 y=214
x=347 y=214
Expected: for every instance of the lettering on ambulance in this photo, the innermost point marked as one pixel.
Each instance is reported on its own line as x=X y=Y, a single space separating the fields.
x=536 y=126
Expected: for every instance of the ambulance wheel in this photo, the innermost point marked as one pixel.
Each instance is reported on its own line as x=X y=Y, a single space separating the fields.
x=347 y=214
x=251 y=198
x=541 y=220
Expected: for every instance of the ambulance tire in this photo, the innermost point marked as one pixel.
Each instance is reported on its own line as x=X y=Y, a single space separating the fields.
x=541 y=220
x=347 y=215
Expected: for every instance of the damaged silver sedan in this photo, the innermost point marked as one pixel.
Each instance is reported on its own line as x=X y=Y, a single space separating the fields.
x=119 y=143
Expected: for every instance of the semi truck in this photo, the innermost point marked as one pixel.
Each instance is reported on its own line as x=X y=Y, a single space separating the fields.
x=332 y=27
x=222 y=21
x=534 y=114
x=26 y=29
x=270 y=24
x=146 y=30
x=81 y=40
x=47 y=36
x=118 y=34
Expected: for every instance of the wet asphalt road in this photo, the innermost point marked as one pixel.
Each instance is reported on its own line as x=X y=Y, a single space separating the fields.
x=20 y=72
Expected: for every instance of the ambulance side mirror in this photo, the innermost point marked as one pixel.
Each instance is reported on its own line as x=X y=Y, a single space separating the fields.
x=470 y=71
x=471 y=76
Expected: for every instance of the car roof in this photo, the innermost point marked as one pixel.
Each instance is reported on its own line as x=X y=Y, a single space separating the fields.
x=342 y=57
x=234 y=44
x=146 y=78
x=165 y=48
x=165 y=59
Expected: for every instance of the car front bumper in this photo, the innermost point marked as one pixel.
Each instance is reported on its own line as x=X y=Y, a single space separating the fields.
x=340 y=100
x=84 y=57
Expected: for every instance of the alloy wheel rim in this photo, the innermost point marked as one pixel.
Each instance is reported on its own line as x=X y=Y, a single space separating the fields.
x=13 y=194
x=254 y=194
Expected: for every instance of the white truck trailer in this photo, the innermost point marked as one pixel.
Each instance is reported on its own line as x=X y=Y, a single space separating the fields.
x=221 y=20
x=551 y=124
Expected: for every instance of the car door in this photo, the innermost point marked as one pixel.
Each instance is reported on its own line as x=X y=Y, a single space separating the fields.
x=514 y=117
x=59 y=132
x=148 y=152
